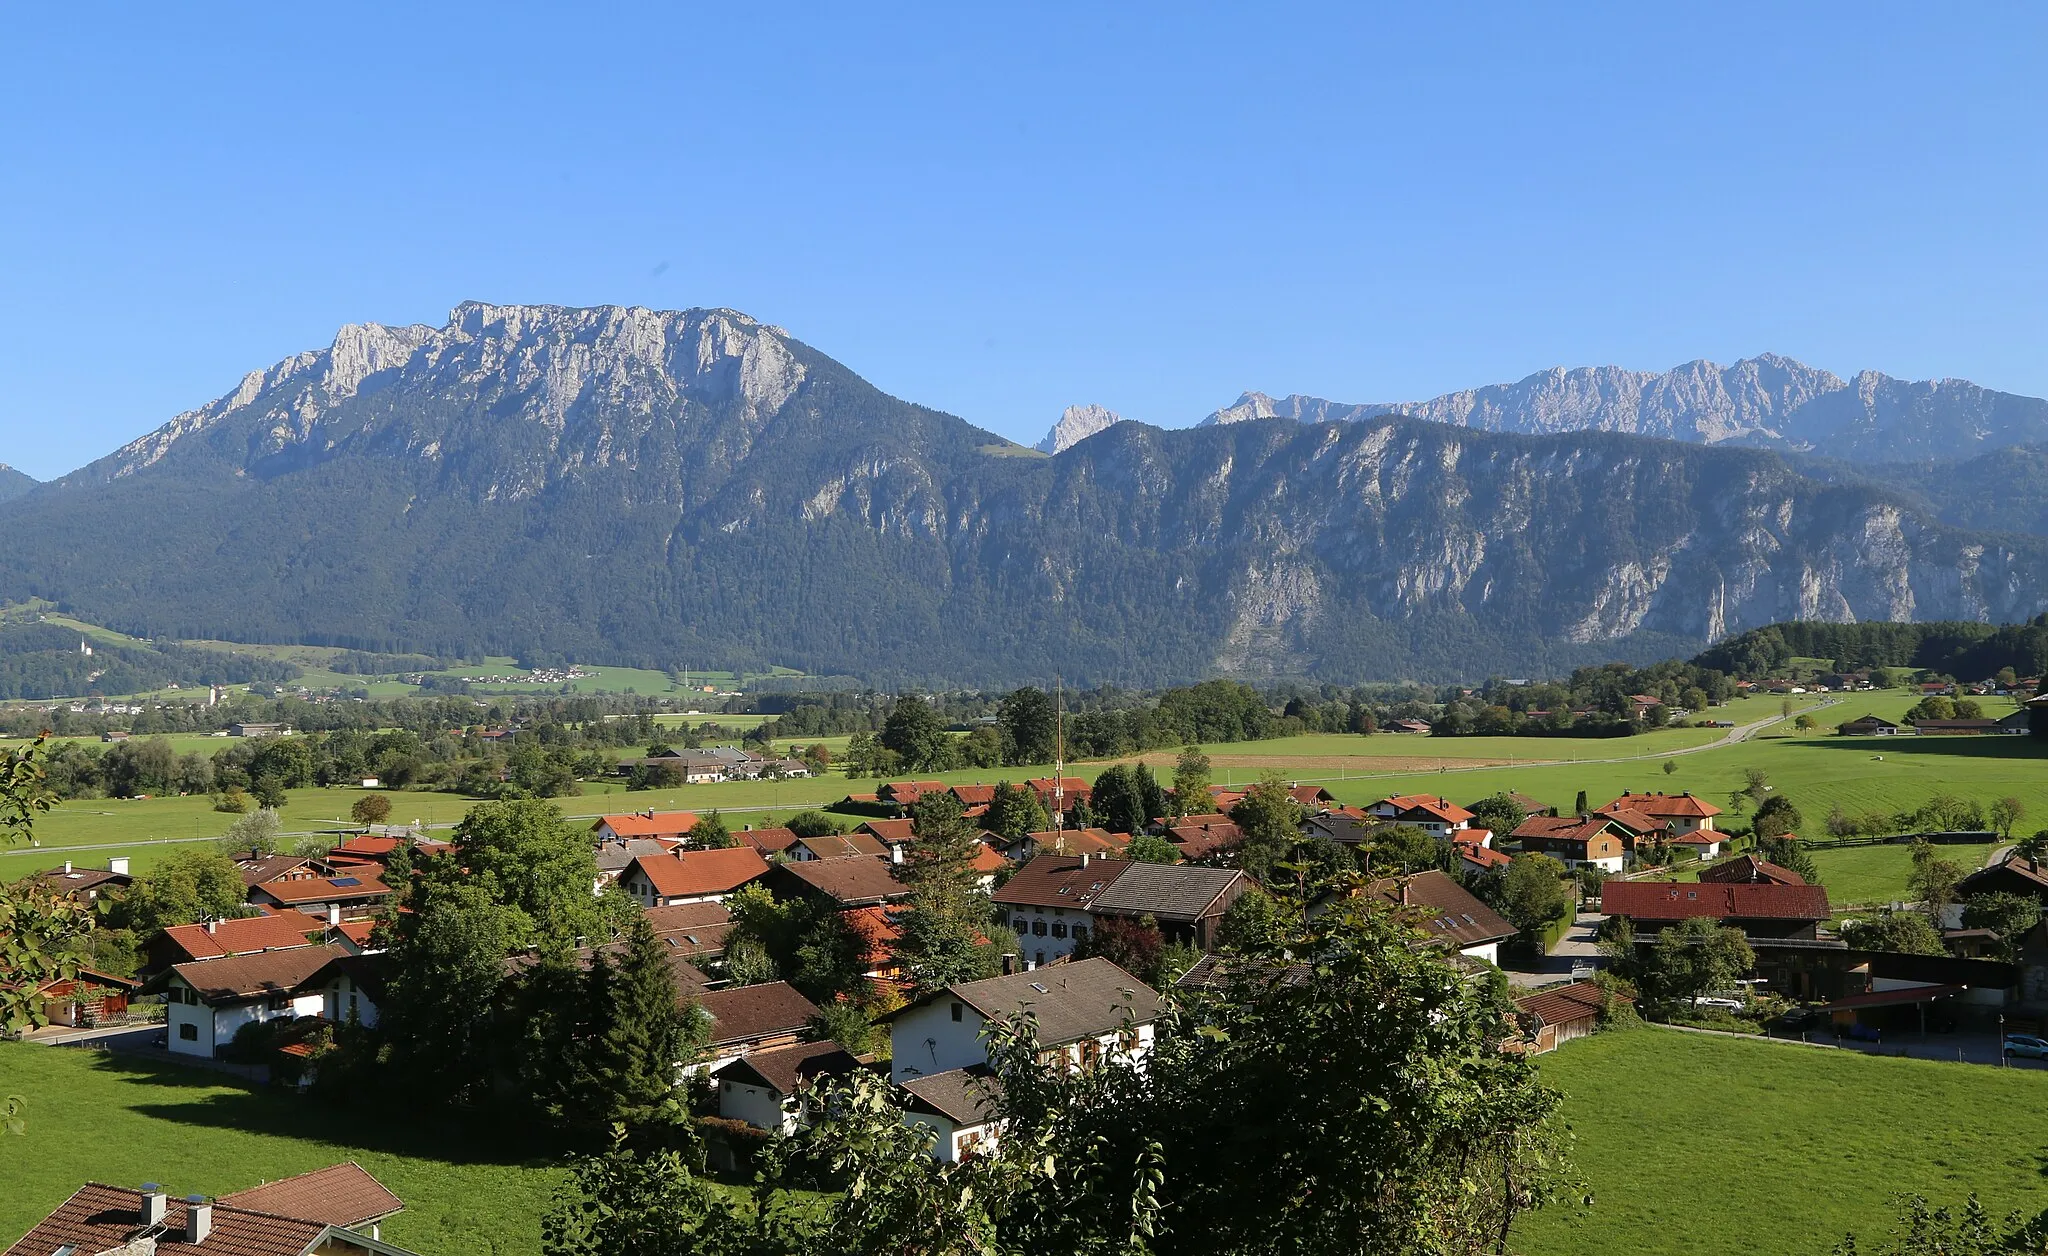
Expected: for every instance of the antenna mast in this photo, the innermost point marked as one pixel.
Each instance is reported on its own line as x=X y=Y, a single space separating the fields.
x=1059 y=763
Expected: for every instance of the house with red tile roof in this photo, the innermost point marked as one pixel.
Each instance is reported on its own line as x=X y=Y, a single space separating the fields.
x=1576 y=841
x=691 y=876
x=1211 y=838
x=343 y=1194
x=238 y=936
x=1095 y=841
x=99 y=1219
x=903 y=795
x=1435 y=815
x=767 y=841
x=846 y=881
x=351 y=895
x=671 y=826
x=744 y=1019
x=1765 y=910
x=1683 y=813
x=1060 y=794
x=1749 y=870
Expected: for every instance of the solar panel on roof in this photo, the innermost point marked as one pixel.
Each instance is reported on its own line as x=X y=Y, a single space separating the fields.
x=341 y=881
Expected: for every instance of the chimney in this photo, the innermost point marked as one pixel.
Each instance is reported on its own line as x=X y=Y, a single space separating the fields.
x=152 y=1210
x=213 y=926
x=334 y=914
x=1009 y=965
x=1084 y=859
x=118 y=865
x=67 y=867
x=896 y=853
x=198 y=1219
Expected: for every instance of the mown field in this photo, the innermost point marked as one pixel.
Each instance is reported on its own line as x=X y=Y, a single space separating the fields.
x=98 y=1117
x=1776 y=1150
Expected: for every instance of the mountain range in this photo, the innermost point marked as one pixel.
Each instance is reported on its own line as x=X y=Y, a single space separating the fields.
x=14 y=483
x=696 y=488
x=1767 y=401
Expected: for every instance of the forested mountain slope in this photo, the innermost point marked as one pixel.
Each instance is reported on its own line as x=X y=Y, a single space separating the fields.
x=656 y=488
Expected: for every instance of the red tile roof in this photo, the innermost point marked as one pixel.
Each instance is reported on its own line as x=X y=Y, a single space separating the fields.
x=695 y=873
x=1666 y=806
x=1198 y=841
x=101 y=1218
x=890 y=832
x=1442 y=810
x=1560 y=828
x=344 y=1194
x=266 y=972
x=376 y=849
x=243 y=935
x=974 y=795
x=1661 y=901
x=767 y=841
x=1635 y=821
x=906 y=793
x=1081 y=842
x=324 y=889
x=639 y=824
x=687 y=916
x=1059 y=881
x=1484 y=856
x=1748 y=868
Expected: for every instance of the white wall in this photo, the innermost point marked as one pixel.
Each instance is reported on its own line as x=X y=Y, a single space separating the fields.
x=336 y=1003
x=758 y=1106
x=1032 y=943
x=1490 y=953
x=927 y=1040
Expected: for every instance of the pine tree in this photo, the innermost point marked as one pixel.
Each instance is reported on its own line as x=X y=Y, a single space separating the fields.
x=634 y=1055
x=942 y=927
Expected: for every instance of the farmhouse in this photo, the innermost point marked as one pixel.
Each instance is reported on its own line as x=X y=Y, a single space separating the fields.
x=1749 y=870
x=87 y=883
x=100 y=1220
x=1447 y=911
x=1765 y=910
x=660 y=826
x=242 y=935
x=1439 y=817
x=1683 y=813
x=745 y=1019
x=1867 y=726
x=1186 y=902
x=691 y=876
x=763 y=1089
x=329 y=897
x=2015 y=874
x=1577 y=841
x=209 y=1001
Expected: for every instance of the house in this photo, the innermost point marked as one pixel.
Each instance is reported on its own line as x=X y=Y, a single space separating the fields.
x=1638 y=829
x=1749 y=870
x=972 y=796
x=1084 y=1012
x=330 y=897
x=614 y=857
x=958 y=1106
x=1207 y=840
x=1447 y=912
x=1313 y=797
x=1100 y=843
x=743 y=1019
x=805 y=849
x=2019 y=723
x=1867 y=726
x=1342 y=827
x=244 y=935
x=660 y=826
x=897 y=835
x=1482 y=857
x=1681 y=813
x=86 y=999
x=101 y=1220
x=1576 y=841
x=764 y=1088
x=208 y=1001
x=1405 y=726
x=1047 y=902
x=344 y=1195
x=2015 y=874
x=1186 y=902
x=1060 y=793
x=256 y=869
x=903 y=795
x=691 y=876
x=849 y=881
x=259 y=730
x=685 y=766
x=1556 y=1016
x=1764 y=910
x=767 y=841
x=1439 y=817
x=88 y=883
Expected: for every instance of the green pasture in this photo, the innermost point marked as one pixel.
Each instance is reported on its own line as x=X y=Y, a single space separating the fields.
x=1772 y=1149
x=1877 y=874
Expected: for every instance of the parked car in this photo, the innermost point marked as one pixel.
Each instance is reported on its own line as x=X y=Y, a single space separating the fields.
x=2026 y=1046
x=1723 y=1002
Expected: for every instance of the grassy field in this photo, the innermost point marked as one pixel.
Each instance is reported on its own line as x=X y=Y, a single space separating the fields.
x=1769 y=1149
x=105 y=1118
x=1877 y=874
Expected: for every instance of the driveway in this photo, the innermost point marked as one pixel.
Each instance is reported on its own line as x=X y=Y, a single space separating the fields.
x=1578 y=949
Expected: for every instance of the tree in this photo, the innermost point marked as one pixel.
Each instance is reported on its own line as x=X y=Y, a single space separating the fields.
x=1028 y=724
x=1499 y=813
x=1253 y=923
x=1579 y=806
x=1933 y=880
x=2005 y=813
x=1114 y=801
x=1146 y=848
x=1534 y=892
x=185 y=888
x=1697 y=957
x=254 y=834
x=1014 y=812
x=2010 y=916
x=448 y=965
x=371 y=809
x=1776 y=817
x=1905 y=931
x=39 y=930
x=711 y=832
x=1270 y=819
x=811 y=824
x=1404 y=848
x=1670 y=766
x=913 y=731
x=268 y=792
x=1805 y=723
x=635 y=1045
x=628 y=1202
x=1136 y=946
x=522 y=855
x=1788 y=853
x=943 y=921
x=1190 y=784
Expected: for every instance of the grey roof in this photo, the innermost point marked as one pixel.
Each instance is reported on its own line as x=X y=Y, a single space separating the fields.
x=1084 y=999
x=614 y=856
x=1166 y=891
x=964 y=1096
x=1215 y=972
x=1343 y=828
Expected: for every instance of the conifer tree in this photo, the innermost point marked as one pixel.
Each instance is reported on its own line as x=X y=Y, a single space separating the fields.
x=941 y=939
x=634 y=1054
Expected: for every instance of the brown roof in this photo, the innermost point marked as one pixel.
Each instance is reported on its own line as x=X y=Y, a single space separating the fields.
x=840 y=847
x=892 y=832
x=691 y=873
x=853 y=881
x=1635 y=821
x=343 y=1194
x=1561 y=1005
x=1659 y=901
x=101 y=1218
x=1199 y=840
x=1082 y=999
x=257 y=870
x=974 y=795
x=241 y=936
x=1666 y=806
x=266 y=972
x=1444 y=907
x=1081 y=841
x=964 y=1096
x=342 y=889
x=746 y=1013
x=906 y=793
x=784 y=1069
x=687 y=916
x=1059 y=881
x=767 y=841
x=78 y=879
x=1440 y=809
x=1561 y=828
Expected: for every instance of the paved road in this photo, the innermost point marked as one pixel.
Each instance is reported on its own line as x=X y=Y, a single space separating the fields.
x=1579 y=948
x=1966 y=1046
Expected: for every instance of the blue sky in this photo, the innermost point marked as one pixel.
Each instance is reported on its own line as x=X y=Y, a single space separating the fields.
x=1002 y=211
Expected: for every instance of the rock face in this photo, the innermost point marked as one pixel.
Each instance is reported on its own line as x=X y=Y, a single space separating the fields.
x=1768 y=401
x=1077 y=424
x=14 y=483
x=664 y=488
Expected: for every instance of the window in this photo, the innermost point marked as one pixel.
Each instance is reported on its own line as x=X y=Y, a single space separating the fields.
x=1038 y=928
x=1080 y=933
x=1022 y=925
x=189 y=1032
x=1059 y=928
x=956 y=1011
x=1039 y=959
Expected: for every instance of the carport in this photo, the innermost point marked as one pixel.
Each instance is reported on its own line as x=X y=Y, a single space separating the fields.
x=1843 y=1012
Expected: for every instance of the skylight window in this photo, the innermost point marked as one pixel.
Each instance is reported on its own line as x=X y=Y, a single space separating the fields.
x=1041 y=989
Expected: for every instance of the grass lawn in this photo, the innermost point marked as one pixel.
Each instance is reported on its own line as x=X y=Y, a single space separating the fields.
x=1755 y=1147
x=93 y=1116
x=1877 y=874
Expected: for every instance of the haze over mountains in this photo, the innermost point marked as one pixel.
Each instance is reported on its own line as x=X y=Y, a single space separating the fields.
x=1767 y=401
x=696 y=488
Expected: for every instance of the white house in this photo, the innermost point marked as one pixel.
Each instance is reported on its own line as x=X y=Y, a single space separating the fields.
x=763 y=1088
x=1437 y=816
x=958 y=1107
x=208 y=1001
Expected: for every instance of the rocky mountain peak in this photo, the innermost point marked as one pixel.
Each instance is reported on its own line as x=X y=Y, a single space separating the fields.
x=1077 y=424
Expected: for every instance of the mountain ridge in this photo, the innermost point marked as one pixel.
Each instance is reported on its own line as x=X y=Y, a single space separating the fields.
x=14 y=483
x=1768 y=401
x=648 y=487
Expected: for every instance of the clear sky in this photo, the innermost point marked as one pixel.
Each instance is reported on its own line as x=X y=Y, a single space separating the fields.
x=1001 y=210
